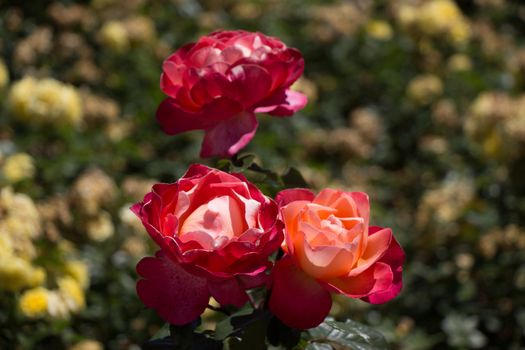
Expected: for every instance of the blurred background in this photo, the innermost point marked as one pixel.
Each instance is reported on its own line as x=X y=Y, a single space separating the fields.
x=419 y=103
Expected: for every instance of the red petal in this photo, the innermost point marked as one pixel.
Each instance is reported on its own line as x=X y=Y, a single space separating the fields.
x=376 y=279
x=230 y=136
x=395 y=258
x=178 y=296
x=197 y=170
x=228 y=292
x=174 y=120
x=294 y=194
x=283 y=103
x=251 y=82
x=298 y=300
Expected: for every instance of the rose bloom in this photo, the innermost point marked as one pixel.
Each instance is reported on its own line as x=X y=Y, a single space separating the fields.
x=218 y=84
x=331 y=248
x=216 y=231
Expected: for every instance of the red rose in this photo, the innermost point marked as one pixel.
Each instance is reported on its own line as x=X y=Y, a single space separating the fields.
x=216 y=231
x=331 y=248
x=218 y=84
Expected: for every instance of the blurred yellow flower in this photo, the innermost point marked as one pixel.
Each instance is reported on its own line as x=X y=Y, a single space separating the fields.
x=33 y=303
x=6 y=246
x=20 y=220
x=113 y=35
x=17 y=273
x=45 y=101
x=18 y=167
x=493 y=124
x=379 y=30
x=100 y=227
x=72 y=293
x=423 y=89
x=79 y=271
x=57 y=307
x=435 y=18
x=459 y=62
x=87 y=344
x=140 y=30
x=4 y=76
x=135 y=246
x=307 y=87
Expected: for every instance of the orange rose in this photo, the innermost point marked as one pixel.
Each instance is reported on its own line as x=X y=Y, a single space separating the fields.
x=331 y=248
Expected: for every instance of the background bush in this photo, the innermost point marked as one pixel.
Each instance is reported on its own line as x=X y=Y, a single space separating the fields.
x=419 y=103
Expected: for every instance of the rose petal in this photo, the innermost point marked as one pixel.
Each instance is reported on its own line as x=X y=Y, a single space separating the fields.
x=297 y=299
x=228 y=292
x=174 y=120
x=230 y=136
x=197 y=170
x=376 y=279
x=293 y=194
x=376 y=246
x=323 y=262
x=178 y=296
x=283 y=103
x=250 y=82
x=395 y=257
x=289 y=214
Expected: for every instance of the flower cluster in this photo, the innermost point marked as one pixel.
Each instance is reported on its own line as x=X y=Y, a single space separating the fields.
x=45 y=101
x=435 y=18
x=219 y=235
x=216 y=232
x=20 y=224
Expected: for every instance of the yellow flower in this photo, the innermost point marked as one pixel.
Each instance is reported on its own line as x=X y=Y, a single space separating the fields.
x=4 y=76
x=18 y=167
x=140 y=30
x=459 y=62
x=19 y=97
x=57 y=307
x=87 y=344
x=101 y=227
x=379 y=30
x=72 y=293
x=113 y=34
x=45 y=101
x=438 y=15
x=17 y=273
x=407 y=15
x=423 y=89
x=79 y=271
x=436 y=18
x=6 y=246
x=33 y=303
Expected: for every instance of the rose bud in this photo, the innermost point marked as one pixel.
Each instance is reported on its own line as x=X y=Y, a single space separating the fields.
x=331 y=248
x=216 y=231
x=218 y=84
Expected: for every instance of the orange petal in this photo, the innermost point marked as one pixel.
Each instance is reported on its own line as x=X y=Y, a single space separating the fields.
x=323 y=262
x=375 y=248
x=377 y=278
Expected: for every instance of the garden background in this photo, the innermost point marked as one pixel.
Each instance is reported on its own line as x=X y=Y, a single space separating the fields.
x=419 y=103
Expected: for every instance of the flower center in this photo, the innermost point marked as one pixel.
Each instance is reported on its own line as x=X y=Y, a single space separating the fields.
x=213 y=224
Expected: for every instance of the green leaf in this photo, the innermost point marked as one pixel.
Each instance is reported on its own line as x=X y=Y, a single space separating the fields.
x=163 y=332
x=233 y=323
x=345 y=335
x=294 y=178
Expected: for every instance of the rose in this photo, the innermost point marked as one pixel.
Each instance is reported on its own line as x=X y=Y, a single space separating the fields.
x=330 y=248
x=218 y=84
x=216 y=231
